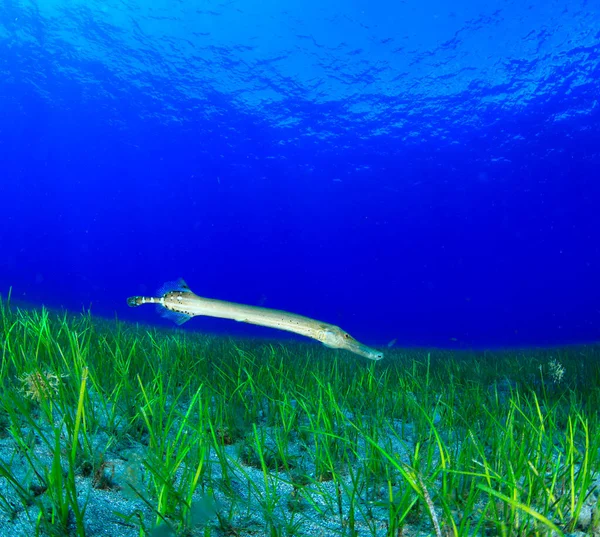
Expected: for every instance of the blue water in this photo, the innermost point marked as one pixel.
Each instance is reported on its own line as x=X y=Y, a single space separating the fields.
x=425 y=171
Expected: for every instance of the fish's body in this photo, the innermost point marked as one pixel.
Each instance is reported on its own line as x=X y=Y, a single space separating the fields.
x=179 y=303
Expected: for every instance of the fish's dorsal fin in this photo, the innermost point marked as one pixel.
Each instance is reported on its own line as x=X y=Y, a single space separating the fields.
x=174 y=286
x=182 y=285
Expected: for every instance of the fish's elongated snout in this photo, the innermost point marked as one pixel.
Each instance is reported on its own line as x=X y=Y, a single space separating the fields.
x=336 y=338
x=363 y=350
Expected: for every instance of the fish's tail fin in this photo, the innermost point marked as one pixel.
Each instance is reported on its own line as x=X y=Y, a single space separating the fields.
x=134 y=301
x=176 y=286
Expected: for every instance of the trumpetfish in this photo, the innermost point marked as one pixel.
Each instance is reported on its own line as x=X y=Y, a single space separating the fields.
x=177 y=302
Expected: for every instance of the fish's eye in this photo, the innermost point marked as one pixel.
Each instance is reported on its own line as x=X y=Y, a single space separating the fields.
x=347 y=336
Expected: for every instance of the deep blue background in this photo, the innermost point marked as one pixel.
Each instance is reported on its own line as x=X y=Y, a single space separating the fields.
x=412 y=170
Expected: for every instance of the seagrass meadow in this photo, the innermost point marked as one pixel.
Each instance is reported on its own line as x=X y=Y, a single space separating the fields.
x=108 y=428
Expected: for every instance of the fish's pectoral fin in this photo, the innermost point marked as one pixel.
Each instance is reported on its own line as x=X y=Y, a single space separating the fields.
x=176 y=316
x=178 y=285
